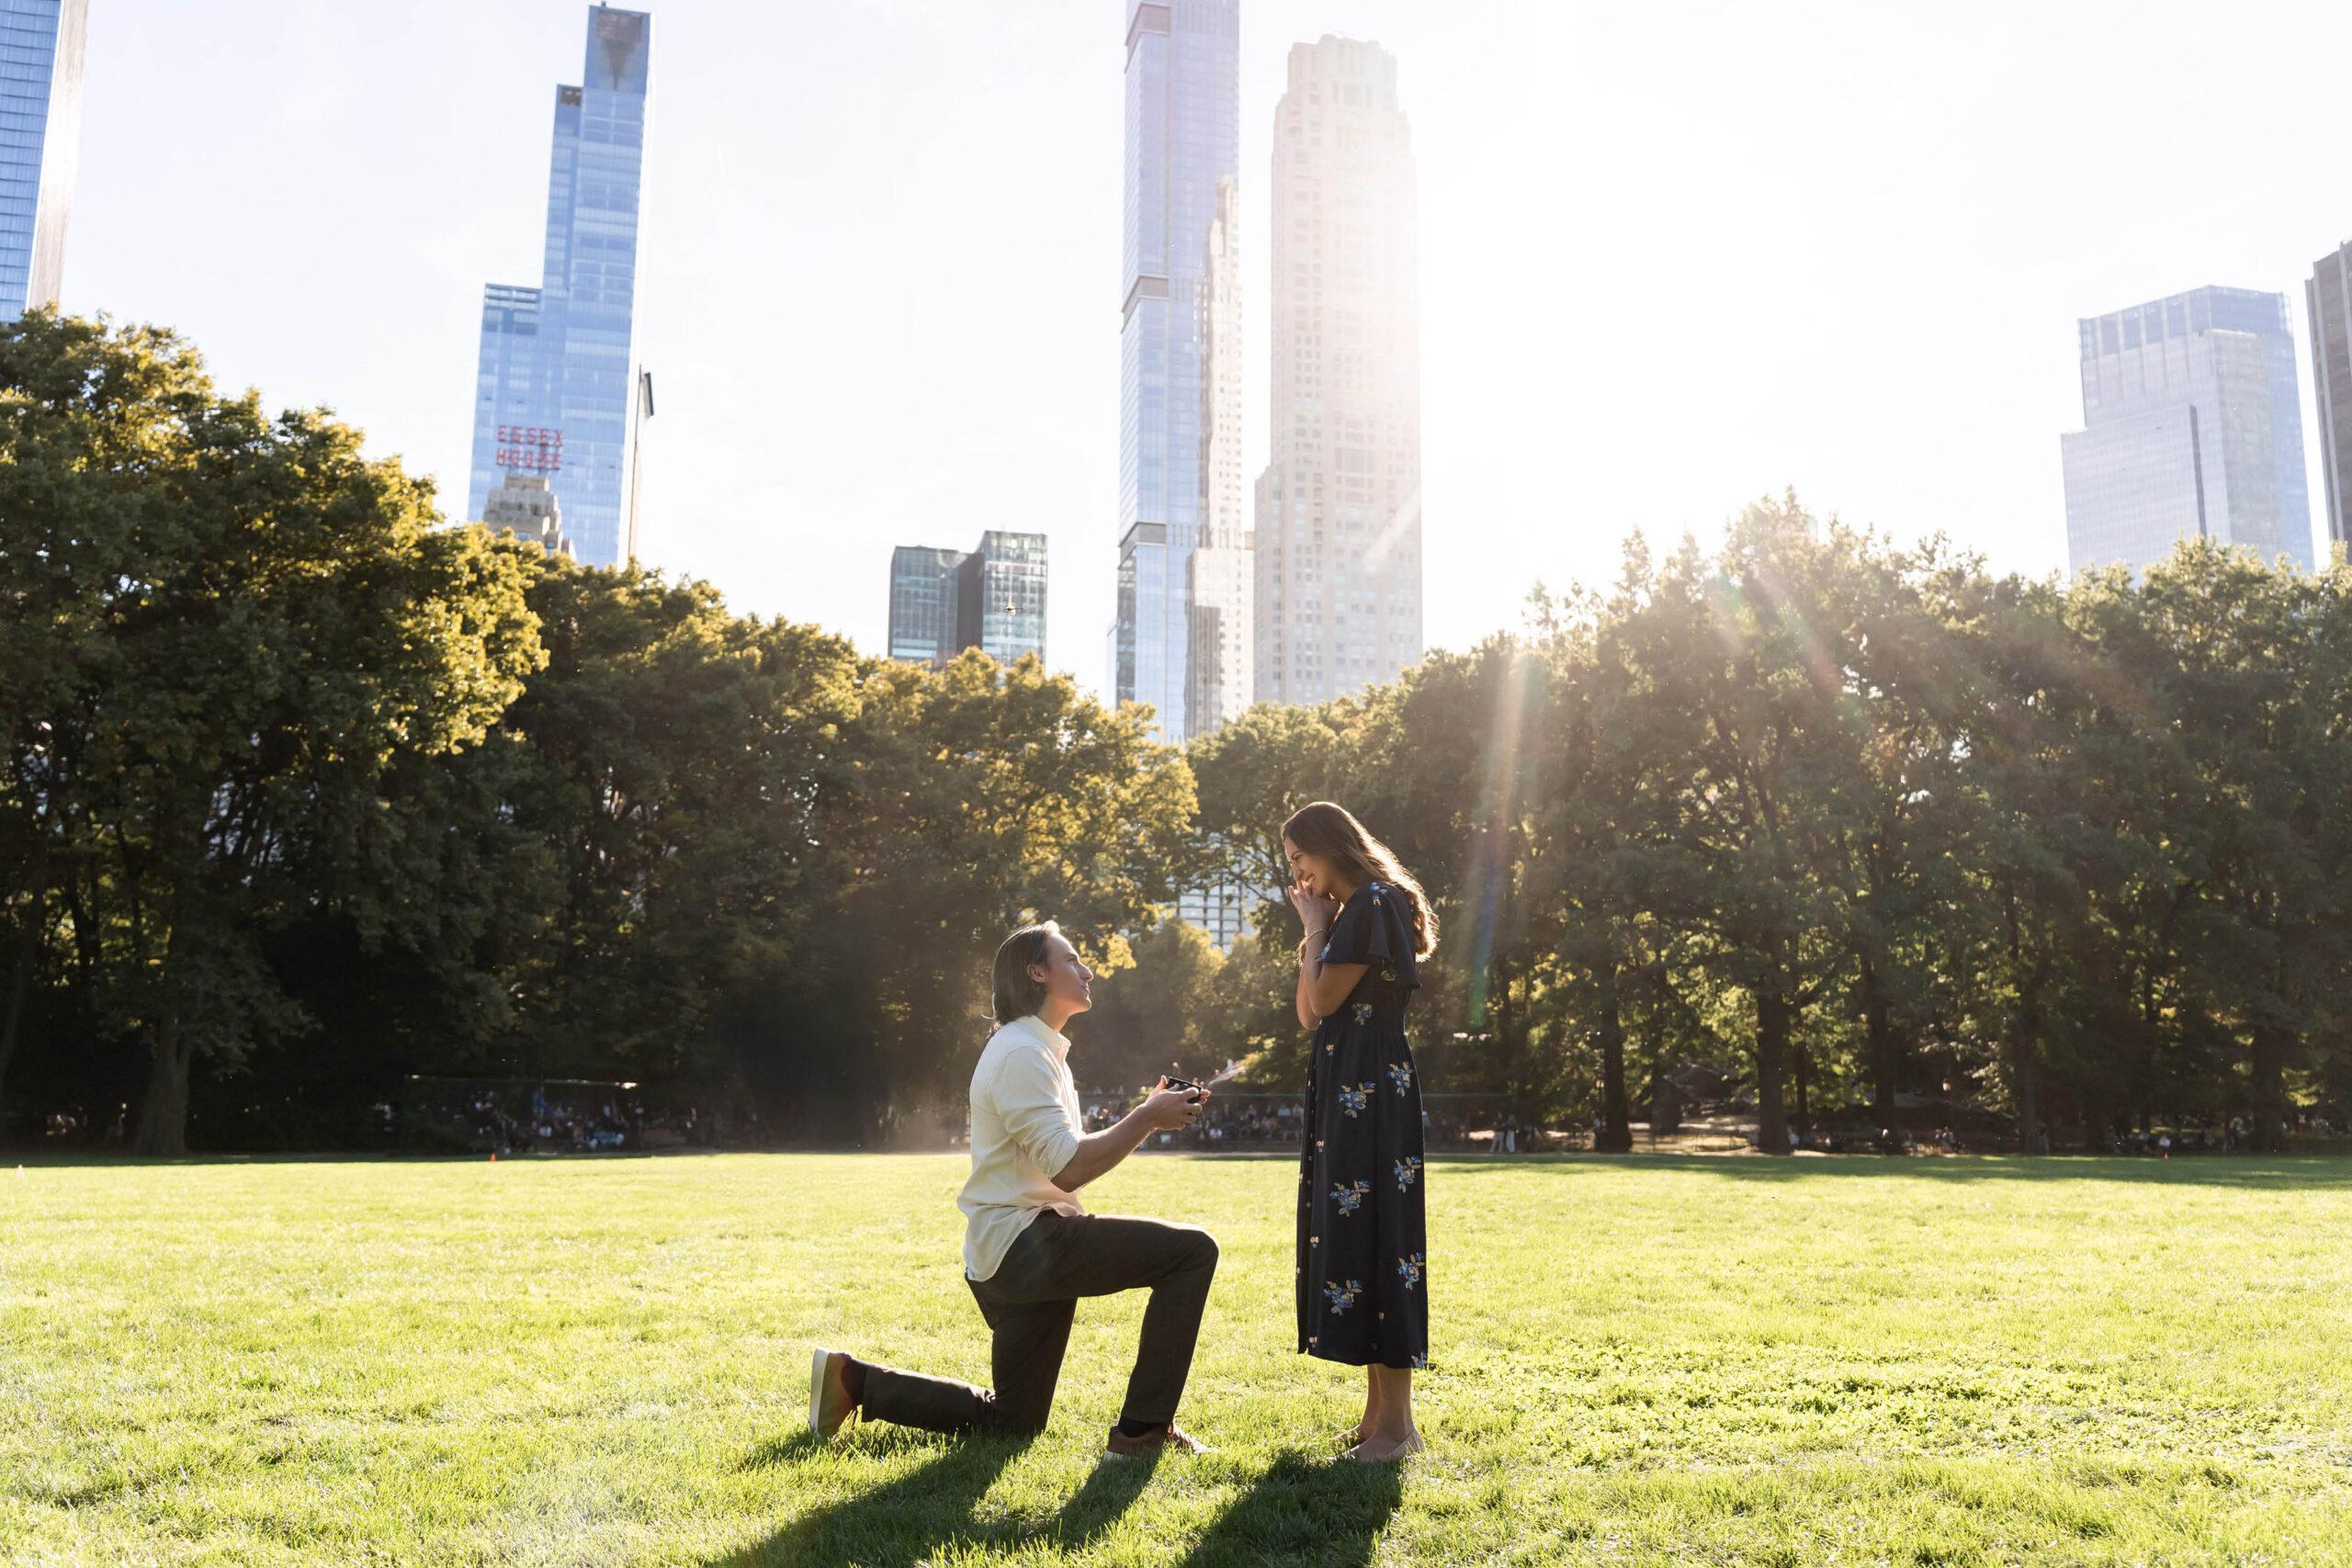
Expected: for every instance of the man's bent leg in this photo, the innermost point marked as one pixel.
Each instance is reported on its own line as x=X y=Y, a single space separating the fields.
x=1102 y=1255
x=910 y=1399
x=1026 y=1360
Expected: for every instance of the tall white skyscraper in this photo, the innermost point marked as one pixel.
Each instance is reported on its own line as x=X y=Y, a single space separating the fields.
x=1338 y=534
x=2193 y=429
x=1222 y=578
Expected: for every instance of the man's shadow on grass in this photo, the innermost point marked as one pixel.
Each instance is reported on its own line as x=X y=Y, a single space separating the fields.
x=934 y=1508
x=1298 y=1511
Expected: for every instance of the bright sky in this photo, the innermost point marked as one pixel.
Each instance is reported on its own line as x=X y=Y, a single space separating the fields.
x=1673 y=256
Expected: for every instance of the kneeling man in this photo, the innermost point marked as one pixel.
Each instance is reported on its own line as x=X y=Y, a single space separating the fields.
x=1030 y=1248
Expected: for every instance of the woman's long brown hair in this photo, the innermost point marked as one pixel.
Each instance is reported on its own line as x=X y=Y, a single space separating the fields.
x=1331 y=830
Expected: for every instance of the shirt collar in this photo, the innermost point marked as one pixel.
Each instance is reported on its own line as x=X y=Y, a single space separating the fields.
x=1058 y=1044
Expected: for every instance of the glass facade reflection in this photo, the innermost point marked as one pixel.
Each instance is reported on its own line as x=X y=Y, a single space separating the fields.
x=2327 y=295
x=40 y=120
x=2193 y=428
x=554 y=388
x=1184 y=135
x=993 y=598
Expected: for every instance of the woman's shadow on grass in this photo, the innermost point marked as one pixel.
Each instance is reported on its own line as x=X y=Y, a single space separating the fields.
x=1329 y=1513
x=1297 y=1511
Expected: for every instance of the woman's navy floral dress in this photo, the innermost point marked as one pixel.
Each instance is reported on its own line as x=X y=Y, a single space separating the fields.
x=1363 y=1289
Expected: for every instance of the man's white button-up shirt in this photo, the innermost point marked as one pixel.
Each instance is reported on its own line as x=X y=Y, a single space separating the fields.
x=1026 y=1125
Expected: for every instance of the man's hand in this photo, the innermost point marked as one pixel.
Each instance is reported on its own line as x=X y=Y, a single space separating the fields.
x=1169 y=1109
x=1163 y=1110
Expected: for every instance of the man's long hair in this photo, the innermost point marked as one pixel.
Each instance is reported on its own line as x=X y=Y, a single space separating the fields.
x=1014 y=992
x=1331 y=830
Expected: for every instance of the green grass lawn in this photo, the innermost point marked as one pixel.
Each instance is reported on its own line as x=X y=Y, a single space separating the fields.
x=1641 y=1361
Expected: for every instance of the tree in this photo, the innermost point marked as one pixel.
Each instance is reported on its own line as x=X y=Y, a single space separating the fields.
x=236 y=628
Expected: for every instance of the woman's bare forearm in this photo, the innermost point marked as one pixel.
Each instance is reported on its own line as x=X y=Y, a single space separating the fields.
x=1310 y=969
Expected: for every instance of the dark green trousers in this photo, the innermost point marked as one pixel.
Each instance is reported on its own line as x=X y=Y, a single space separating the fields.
x=1030 y=1303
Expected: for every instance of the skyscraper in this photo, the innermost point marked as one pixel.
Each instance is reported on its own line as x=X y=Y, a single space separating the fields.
x=1338 y=534
x=1001 y=596
x=41 y=133
x=2193 y=428
x=993 y=598
x=1184 y=135
x=923 y=601
x=1219 y=579
x=2328 y=299
x=555 y=382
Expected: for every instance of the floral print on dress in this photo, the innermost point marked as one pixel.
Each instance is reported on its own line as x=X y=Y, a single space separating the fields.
x=1363 y=1283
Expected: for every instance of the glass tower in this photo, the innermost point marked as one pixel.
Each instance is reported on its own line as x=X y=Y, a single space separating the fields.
x=1220 y=579
x=923 y=583
x=1184 y=135
x=2160 y=389
x=554 y=389
x=41 y=126
x=1338 y=534
x=2328 y=298
x=993 y=598
x=2193 y=426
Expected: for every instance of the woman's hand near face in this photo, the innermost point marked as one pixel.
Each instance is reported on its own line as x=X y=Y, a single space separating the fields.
x=1314 y=909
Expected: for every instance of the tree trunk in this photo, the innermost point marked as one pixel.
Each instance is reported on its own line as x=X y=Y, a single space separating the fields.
x=21 y=971
x=1771 y=1052
x=162 y=1112
x=2269 y=1085
x=20 y=980
x=2027 y=1077
x=1616 y=1121
x=1878 y=1025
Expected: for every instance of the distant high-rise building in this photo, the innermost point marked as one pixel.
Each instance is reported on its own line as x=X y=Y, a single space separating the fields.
x=1338 y=534
x=923 y=603
x=525 y=503
x=1184 y=136
x=2193 y=428
x=40 y=132
x=1221 y=909
x=555 y=383
x=993 y=598
x=2328 y=299
x=1221 y=578
x=1001 y=596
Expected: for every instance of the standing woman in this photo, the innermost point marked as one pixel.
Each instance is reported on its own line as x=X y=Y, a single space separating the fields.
x=1363 y=1239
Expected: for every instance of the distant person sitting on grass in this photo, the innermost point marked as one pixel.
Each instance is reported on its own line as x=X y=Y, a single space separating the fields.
x=1030 y=1248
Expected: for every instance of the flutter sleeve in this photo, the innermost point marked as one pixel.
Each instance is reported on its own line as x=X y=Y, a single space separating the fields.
x=1365 y=931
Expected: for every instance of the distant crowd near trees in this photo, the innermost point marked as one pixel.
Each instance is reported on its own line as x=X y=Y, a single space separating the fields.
x=306 y=791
